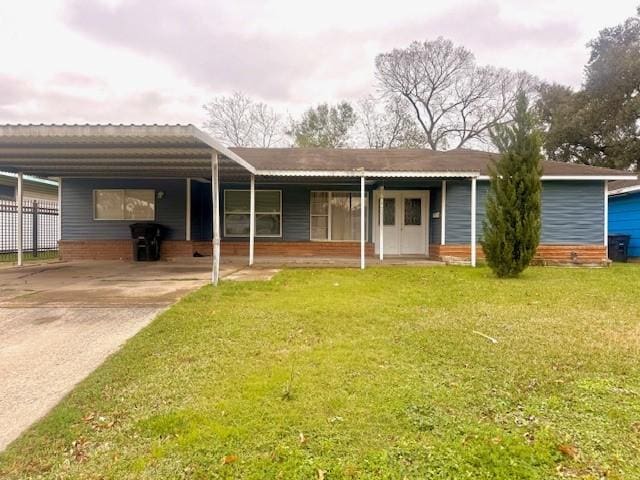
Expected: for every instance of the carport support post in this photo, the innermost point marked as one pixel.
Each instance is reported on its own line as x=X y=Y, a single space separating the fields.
x=473 y=222
x=19 y=229
x=443 y=214
x=362 y=222
x=381 y=224
x=187 y=214
x=59 y=220
x=215 y=197
x=252 y=219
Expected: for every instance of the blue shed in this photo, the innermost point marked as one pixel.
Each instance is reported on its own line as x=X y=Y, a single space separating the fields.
x=624 y=213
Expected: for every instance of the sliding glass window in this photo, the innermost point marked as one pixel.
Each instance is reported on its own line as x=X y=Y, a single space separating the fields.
x=335 y=216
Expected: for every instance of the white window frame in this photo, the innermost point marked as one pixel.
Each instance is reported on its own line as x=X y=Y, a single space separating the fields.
x=331 y=192
x=248 y=212
x=124 y=196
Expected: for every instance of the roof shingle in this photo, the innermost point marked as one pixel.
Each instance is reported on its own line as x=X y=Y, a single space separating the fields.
x=397 y=159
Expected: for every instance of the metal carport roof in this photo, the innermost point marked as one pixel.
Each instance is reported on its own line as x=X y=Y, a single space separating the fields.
x=115 y=151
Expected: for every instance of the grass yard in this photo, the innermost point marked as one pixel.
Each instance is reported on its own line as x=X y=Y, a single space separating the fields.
x=27 y=256
x=338 y=373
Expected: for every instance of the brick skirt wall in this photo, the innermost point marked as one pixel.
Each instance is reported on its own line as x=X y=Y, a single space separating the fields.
x=123 y=250
x=546 y=254
x=298 y=249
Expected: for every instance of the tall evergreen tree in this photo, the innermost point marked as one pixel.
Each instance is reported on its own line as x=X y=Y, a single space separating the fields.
x=512 y=223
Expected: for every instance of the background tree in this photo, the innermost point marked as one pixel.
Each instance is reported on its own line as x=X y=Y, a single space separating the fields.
x=238 y=121
x=512 y=223
x=324 y=126
x=453 y=100
x=599 y=124
x=388 y=124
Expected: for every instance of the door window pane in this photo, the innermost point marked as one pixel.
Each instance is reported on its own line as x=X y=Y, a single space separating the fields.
x=389 y=211
x=413 y=211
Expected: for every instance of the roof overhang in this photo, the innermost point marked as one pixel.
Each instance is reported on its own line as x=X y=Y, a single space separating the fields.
x=365 y=173
x=579 y=177
x=622 y=191
x=115 y=151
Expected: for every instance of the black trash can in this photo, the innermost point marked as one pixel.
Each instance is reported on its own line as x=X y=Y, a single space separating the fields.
x=146 y=241
x=619 y=247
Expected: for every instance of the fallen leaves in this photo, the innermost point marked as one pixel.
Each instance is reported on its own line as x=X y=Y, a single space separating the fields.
x=568 y=450
x=228 y=459
x=98 y=422
x=78 y=451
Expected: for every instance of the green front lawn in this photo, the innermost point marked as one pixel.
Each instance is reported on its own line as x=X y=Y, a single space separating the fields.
x=28 y=256
x=376 y=374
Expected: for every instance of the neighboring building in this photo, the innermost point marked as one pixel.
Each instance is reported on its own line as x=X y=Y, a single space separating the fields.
x=34 y=188
x=308 y=202
x=624 y=213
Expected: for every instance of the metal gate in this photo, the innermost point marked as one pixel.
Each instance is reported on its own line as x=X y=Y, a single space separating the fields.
x=39 y=230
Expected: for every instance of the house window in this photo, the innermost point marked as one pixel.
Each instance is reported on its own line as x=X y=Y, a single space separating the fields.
x=335 y=216
x=119 y=204
x=237 y=213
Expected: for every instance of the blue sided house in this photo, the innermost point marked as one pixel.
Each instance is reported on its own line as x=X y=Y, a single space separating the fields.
x=624 y=213
x=365 y=204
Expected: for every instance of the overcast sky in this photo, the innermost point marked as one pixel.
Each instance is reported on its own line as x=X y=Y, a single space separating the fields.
x=158 y=61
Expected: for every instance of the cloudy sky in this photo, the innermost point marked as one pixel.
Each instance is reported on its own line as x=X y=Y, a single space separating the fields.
x=158 y=61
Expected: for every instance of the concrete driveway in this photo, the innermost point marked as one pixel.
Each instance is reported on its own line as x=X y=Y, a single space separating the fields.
x=59 y=321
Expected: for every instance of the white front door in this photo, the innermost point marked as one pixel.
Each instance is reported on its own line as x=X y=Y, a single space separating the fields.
x=391 y=217
x=405 y=222
x=413 y=231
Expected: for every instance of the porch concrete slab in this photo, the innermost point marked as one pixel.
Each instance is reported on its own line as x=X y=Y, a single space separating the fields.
x=262 y=262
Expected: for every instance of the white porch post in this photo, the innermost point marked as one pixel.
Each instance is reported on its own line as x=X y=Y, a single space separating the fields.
x=473 y=222
x=362 y=222
x=252 y=219
x=381 y=224
x=606 y=219
x=187 y=236
x=19 y=232
x=215 y=197
x=443 y=214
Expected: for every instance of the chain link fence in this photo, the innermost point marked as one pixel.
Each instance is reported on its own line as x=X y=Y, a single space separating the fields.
x=39 y=230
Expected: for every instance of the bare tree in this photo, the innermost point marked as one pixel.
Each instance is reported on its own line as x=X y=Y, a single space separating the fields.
x=388 y=123
x=453 y=100
x=238 y=121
